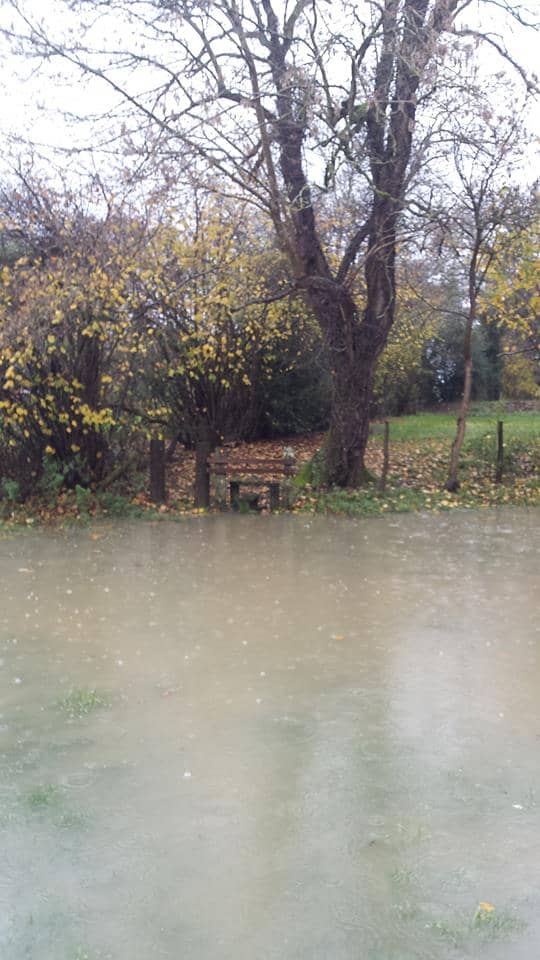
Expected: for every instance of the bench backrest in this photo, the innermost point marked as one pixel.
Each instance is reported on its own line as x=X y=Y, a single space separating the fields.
x=223 y=464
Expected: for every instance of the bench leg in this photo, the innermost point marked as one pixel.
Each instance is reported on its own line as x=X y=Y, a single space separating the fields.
x=289 y=493
x=274 y=496
x=221 y=491
x=235 y=494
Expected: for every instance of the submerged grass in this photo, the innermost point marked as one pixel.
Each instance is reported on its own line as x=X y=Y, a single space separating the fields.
x=73 y=819
x=78 y=703
x=462 y=930
x=369 y=502
x=85 y=953
x=49 y=798
x=413 y=934
x=483 y=926
x=43 y=796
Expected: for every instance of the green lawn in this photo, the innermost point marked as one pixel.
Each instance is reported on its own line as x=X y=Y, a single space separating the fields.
x=440 y=426
x=419 y=454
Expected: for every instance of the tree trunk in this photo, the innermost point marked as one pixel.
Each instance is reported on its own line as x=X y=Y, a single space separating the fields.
x=354 y=344
x=349 y=424
x=158 y=492
x=352 y=356
x=500 y=452
x=452 y=483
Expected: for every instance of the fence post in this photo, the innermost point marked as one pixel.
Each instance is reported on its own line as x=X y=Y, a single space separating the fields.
x=203 y=449
x=289 y=470
x=220 y=473
x=158 y=491
x=386 y=457
x=500 y=452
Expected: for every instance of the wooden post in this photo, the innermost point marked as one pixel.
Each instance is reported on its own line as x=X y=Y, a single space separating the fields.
x=158 y=491
x=220 y=474
x=203 y=449
x=289 y=470
x=500 y=453
x=386 y=457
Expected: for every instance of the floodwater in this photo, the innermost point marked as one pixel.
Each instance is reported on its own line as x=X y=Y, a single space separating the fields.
x=245 y=738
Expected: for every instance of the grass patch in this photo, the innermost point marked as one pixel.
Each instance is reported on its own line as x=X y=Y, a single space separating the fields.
x=419 y=458
x=403 y=876
x=72 y=820
x=48 y=797
x=43 y=796
x=115 y=505
x=442 y=426
x=482 y=927
x=89 y=504
x=78 y=703
x=368 y=502
x=84 y=953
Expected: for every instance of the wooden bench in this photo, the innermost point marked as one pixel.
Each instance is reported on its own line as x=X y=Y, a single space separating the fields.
x=230 y=470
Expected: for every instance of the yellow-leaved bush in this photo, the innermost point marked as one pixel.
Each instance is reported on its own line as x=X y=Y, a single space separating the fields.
x=225 y=322
x=70 y=310
x=113 y=325
x=398 y=376
x=512 y=300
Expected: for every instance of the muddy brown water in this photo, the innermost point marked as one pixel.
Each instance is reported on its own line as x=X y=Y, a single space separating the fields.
x=244 y=738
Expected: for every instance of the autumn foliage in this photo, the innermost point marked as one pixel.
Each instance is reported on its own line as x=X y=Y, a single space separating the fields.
x=72 y=312
x=114 y=326
x=118 y=323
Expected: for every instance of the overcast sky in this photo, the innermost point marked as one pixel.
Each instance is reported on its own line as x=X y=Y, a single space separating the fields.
x=36 y=96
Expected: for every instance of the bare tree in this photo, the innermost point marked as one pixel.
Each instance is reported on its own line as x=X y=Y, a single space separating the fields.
x=279 y=102
x=484 y=210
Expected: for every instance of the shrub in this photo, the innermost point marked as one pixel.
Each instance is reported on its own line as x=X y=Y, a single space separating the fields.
x=312 y=473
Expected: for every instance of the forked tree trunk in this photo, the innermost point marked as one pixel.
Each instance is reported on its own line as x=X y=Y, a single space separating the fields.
x=354 y=342
x=408 y=38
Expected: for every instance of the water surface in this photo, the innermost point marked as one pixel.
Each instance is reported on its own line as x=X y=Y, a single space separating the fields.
x=245 y=738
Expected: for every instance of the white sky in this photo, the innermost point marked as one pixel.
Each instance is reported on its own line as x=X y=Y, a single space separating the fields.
x=36 y=96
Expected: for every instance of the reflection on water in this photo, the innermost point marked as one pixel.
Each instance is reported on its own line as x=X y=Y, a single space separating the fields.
x=251 y=738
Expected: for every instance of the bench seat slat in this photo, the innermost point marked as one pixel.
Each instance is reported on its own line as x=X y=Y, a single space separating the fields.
x=249 y=481
x=251 y=466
